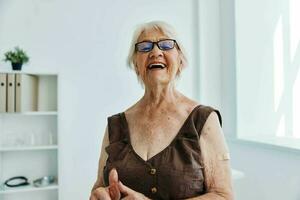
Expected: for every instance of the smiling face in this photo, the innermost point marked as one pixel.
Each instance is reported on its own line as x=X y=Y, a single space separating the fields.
x=157 y=66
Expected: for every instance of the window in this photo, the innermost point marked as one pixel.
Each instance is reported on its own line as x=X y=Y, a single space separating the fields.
x=268 y=71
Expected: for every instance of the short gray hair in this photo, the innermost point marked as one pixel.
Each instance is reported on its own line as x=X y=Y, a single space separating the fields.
x=166 y=29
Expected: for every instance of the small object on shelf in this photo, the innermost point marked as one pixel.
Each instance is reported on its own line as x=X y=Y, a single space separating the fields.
x=44 y=181
x=17 y=57
x=16 y=66
x=16 y=181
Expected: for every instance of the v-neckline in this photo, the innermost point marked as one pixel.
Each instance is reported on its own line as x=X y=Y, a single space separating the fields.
x=127 y=134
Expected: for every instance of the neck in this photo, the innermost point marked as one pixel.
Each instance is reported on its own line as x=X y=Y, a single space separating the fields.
x=160 y=96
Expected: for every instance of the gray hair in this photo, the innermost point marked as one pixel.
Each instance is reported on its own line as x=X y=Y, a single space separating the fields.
x=166 y=29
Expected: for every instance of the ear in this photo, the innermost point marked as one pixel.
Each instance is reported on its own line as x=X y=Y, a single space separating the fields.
x=136 y=69
x=179 y=70
x=181 y=59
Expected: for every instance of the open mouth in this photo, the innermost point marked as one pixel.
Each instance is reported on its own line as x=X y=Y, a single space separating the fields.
x=156 y=66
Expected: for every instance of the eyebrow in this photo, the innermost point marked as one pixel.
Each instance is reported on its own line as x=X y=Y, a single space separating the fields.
x=160 y=39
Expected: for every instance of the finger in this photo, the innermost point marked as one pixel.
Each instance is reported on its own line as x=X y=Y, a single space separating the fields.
x=101 y=193
x=114 y=192
x=124 y=189
x=113 y=177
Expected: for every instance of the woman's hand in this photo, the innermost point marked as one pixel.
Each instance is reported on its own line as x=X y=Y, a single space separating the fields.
x=111 y=192
x=130 y=194
x=101 y=193
x=114 y=190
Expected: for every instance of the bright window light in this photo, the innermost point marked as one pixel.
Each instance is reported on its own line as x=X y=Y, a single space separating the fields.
x=278 y=64
x=268 y=71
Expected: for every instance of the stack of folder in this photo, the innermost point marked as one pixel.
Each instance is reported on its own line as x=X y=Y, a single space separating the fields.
x=18 y=92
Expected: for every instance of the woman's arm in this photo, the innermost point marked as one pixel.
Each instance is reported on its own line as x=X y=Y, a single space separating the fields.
x=215 y=155
x=99 y=192
x=103 y=157
x=112 y=192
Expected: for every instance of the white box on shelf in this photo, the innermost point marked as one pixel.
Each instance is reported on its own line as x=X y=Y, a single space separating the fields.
x=10 y=93
x=3 y=90
x=26 y=92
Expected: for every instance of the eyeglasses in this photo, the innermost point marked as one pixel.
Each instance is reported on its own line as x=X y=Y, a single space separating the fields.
x=147 y=46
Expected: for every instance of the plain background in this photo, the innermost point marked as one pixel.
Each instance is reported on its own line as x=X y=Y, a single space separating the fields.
x=86 y=43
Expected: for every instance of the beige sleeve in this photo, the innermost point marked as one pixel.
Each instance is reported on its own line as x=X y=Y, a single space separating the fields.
x=103 y=157
x=215 y=155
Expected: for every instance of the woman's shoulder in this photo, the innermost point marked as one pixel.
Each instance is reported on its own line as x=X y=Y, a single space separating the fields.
x=189 y=104
x=127 y=111
x=192 y=104
x=131 y=111
x=199 y=109
x=204 y=112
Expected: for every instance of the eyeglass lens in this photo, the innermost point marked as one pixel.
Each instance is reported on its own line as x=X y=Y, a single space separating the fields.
x=148 y=46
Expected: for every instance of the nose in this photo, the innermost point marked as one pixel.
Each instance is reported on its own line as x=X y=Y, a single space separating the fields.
x=155 y=52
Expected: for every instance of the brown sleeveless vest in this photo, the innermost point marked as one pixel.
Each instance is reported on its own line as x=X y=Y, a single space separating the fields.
x=174 y=173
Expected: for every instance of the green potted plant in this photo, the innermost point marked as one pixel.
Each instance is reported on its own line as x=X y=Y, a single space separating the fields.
x=17 y=57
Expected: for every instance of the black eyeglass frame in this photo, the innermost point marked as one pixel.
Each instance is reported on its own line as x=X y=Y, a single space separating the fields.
x=156 y=43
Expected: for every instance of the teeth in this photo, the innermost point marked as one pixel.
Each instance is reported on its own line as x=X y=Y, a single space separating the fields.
x=156 y=65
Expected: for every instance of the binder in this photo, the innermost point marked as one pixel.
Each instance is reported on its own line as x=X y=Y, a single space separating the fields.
x=3 y=83
x=10 y=93
x=26 y=92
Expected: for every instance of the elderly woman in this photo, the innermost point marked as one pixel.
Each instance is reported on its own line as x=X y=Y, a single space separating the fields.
x=165 y=146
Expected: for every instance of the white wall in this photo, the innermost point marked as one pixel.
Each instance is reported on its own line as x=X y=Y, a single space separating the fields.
x=270 y=173
x=86 y=42
x=210 y=53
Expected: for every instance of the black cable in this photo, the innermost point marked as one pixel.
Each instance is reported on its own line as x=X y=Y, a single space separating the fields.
x=24 y=181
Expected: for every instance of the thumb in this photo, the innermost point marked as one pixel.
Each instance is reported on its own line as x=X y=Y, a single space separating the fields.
x=113 y=177
x=124 y=189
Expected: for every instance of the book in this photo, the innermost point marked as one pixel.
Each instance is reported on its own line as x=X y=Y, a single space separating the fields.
x=26 y=92
x=3 y=88
x=10 y=93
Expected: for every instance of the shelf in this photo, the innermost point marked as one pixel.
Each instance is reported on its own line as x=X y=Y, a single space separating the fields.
x=33 y=72
x=29 y=138
x=29 y=148
x=29 y=188
x=32 y=113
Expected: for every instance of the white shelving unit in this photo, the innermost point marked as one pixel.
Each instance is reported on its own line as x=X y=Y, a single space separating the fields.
x=29 y=148
x=29 y=188
x=32 y=113
x=29 y=144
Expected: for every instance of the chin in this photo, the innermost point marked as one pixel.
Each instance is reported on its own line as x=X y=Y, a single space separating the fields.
x=161 y=80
